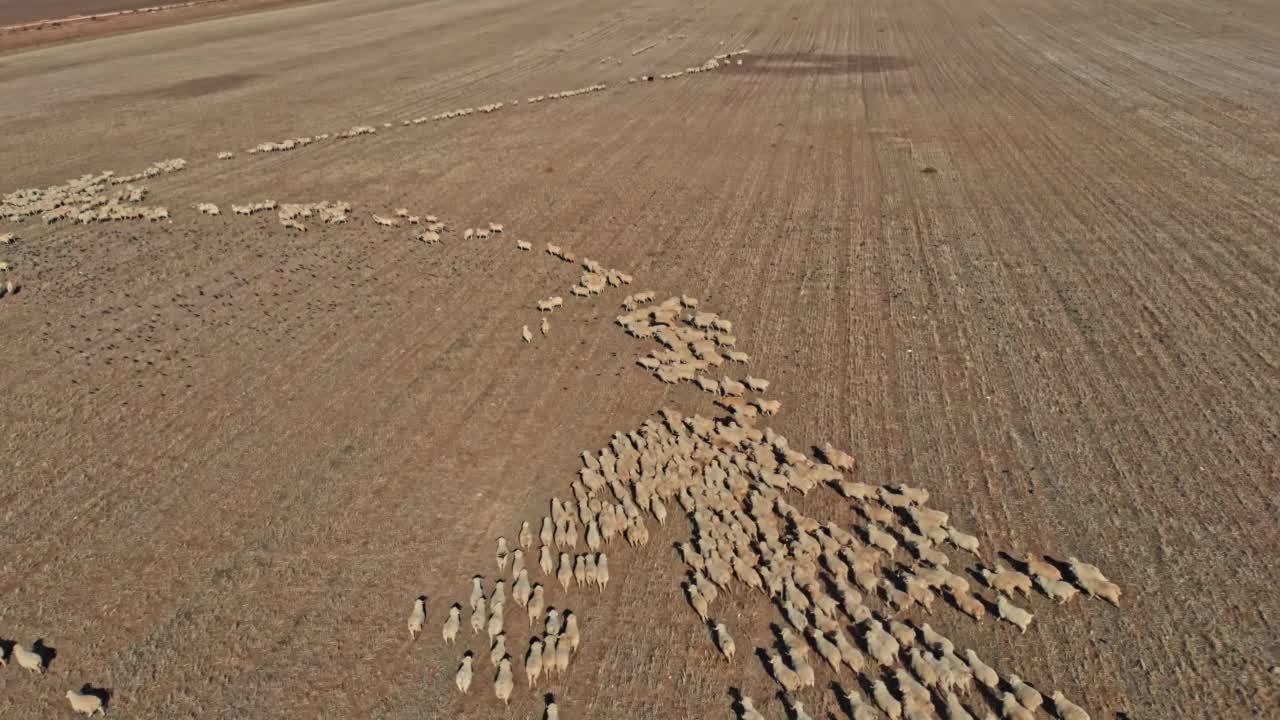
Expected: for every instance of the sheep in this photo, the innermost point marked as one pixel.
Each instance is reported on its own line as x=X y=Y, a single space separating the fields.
x=28 y=660
x=571 y=633
x=737 y=356
x=85 y=703
x=498 y=650
x=837 y=458
x=970 y=605
x=523 y=245
x=536 y=604
x=749 y=711
x=385 y=222
x=981 y=670
x=1090 y=579
x=1067 y=710
x=503 y=684
x=208 y=208
x=495 y=227
x=550 y=647
x=526 y=535
x=521 y=591
x=1058 y=590
x=756 y=384
x=708 y=385
x=732 y=388
x=502 y=554
x=450 y=632
x=478 y=618
x=768 y=407
x=882 y=646
x=1010 y=709
x=956 y=709
x=482 y=234
x=962 y=540
x=533 y=663
x=1005 y=580
x=517 y=564
x=562 y=656
x=550 y=303
x=553 y=711
x=724 y=642
x=226 y=155
x=468 y=234
x=546 y=327
x=602 y=570
x=524 y=333
x=494 y=626
x=1038 y=567
x=829 y=652
x=1027 y=696
x=463 y=677
x=786 y=677
x=885 y=700
x=418 y=617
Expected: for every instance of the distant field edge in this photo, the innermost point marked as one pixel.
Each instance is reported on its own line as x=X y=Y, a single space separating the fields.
x=71 y=20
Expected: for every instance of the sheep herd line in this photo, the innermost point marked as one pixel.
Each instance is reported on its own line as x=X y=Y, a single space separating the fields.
x=849 y=591
x=89 y=199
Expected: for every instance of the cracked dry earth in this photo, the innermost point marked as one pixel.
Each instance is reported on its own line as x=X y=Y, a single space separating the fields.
x=1020 y=256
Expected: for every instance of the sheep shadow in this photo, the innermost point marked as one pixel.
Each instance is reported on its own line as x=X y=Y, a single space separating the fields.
x=6 y=649
x=103 y=694
x=46 y=653
x=548 y=700
x=842 y=698
x=735 y=698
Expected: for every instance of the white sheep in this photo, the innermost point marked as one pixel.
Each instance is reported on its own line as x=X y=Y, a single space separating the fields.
x=1066 y=709
x=418 y=617
x=982 y=671
x=503 y=684
x=533 y=663
x=524 y=333
x=28 y=660
x=724 y=641
x=524 y=245
x=85 y=703
x=468 y=234
x=495 y=227
x=450 y=631
x=463 y=677
x=385 y=222
x=756 y=384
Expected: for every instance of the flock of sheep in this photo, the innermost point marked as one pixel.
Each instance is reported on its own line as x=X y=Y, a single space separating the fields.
x=841 y=591
x=88 y=199
x=86 y=701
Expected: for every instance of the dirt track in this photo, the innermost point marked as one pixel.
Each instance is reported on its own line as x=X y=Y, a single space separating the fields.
x=1022 y=254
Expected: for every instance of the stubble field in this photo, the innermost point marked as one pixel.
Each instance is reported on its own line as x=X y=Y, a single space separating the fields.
x=1024 y=255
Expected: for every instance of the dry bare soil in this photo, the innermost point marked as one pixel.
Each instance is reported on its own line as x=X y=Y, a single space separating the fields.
x=1023 y=254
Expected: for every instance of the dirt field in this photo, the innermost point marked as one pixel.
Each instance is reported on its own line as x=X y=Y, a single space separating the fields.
x=1023 y=254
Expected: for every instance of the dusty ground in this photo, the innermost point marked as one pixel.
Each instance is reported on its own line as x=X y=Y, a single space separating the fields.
x=233 y=455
